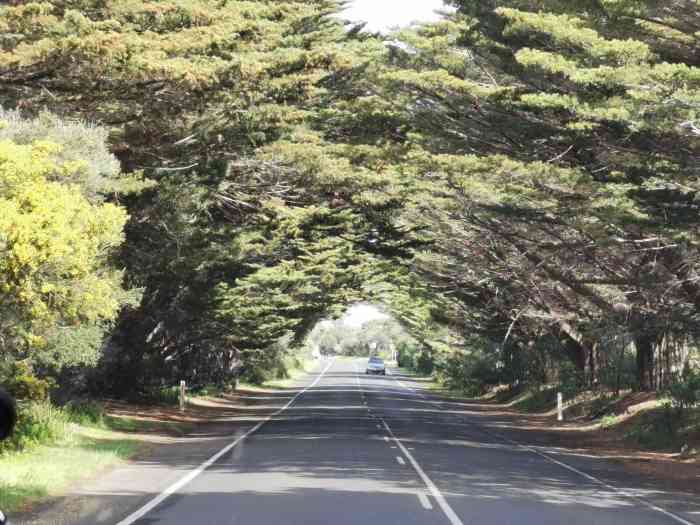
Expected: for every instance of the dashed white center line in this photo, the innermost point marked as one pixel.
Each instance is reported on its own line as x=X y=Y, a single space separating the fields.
x=547 y=457
x=400 y=460
x=442 y=502
x=424 y=501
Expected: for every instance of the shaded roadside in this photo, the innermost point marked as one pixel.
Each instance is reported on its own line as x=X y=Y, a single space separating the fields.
x=613 y=436
x=168 y=444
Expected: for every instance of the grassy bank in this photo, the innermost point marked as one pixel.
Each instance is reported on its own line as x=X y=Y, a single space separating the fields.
x=53 y=448
x=43 y=471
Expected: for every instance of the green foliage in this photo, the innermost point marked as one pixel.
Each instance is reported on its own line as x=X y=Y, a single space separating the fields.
x=658 y=429
x=38 y=423
x=86 y=413
x=685 y=390
x=523 y=173
x=538 y=400
x=19 y=378
x=416 y=358
x=81 y=144
x=571 y=380
x=56 y=236
x=42 y=423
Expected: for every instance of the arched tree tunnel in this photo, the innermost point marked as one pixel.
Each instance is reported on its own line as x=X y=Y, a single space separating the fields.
x=469 y=178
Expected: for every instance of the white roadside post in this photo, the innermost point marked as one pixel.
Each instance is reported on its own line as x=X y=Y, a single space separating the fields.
x=560 y=408
x=182 y=396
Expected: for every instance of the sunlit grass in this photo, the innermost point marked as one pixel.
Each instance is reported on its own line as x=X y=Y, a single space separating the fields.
x=45 y=470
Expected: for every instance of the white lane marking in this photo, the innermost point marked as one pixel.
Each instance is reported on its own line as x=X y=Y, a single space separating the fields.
x=400 y=460
x=148 y=507
x=386 y=438
x=568 y=467
x=442 y=502
x=379 y=426
x=407 y=387
x=424 y=501
x=600 y=482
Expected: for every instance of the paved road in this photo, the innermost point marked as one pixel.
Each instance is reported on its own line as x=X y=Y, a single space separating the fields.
x=357 y=449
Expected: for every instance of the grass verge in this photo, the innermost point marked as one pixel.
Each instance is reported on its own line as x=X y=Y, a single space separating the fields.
x=55 y=447
x=30 y=476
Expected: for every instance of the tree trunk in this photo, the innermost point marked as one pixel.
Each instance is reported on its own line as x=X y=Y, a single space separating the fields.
x=592 y=375
x=645 y=345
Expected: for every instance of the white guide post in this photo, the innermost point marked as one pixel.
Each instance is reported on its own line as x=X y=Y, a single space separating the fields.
x=560 y=407
x=182 y=396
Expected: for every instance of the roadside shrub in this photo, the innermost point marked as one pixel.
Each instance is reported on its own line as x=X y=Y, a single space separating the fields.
x=167 y=395
x=255 y=374
x=685 y=391
x=571 y=380
x=657 y=429
x=87 y=413
x=38 y=423
x=471 y=372
x=21 y=382
x=538 y=400
x=419 y=360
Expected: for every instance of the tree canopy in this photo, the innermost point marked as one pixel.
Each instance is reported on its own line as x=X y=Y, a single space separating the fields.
x=517 y=180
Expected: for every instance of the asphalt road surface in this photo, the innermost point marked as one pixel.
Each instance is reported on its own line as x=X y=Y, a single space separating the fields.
x=355 y=449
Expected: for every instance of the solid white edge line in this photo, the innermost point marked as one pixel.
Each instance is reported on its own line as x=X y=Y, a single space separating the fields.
x=566 y=466
x=424 y=501
x=148 y=507
x=442 y=502
x=600 y=482
x=412 y=390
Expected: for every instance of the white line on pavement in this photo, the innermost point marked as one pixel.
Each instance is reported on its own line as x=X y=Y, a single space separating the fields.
x=400 y=460
x=424 y=501
x=413 y=391
x=148 y=507
x=442 y=502
x=568 y=467
x=621 y=492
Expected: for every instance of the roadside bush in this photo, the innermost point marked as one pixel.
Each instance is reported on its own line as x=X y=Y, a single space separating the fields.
x=22 y=383
x=685 y=391
x=471 y=373
x=538 y=399
x=571 y=380
x=419 y=360
x=657 y=429
x=87 y=413
x=38 y=423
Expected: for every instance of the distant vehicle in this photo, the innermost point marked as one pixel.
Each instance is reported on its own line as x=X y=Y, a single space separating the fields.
x=375 y=365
